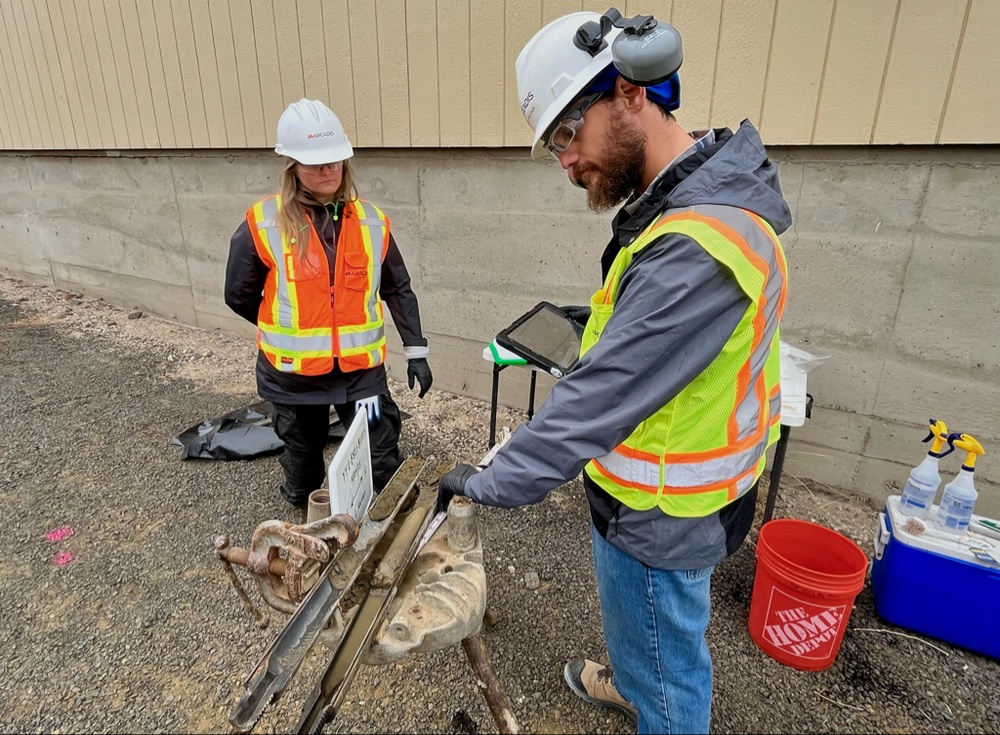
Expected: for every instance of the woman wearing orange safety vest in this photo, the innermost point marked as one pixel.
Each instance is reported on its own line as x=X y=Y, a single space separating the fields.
x=310 y=267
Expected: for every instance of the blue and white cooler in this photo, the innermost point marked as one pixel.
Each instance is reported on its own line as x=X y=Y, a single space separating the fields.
x=936 y=583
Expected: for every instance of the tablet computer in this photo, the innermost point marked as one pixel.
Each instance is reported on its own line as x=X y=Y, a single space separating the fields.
x=546 y=337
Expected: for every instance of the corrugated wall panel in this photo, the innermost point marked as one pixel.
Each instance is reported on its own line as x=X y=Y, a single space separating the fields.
x=342 y=93
x=454 y=69
x=67 y=34
x=248 y=72
x=191 y=79
x=795 y=70
x=156 y=76
x=857 y=53
x=289 y=58
x=173 y=80
x=229 y=77
x=123 y=126
x=698 y=21
x=120 y=74
x=17 y=131
x=367 y=72
x=80 y=10
x=488 y=77
x=973 y=102
x=422 y=61
x=34 y=60
x=393 y=72
x=142 y=84
x=208 y=71
x=521 y=18
x=266 y=43
x=118 y=47
x=552 y=9
x=51 y=73
x=918 y=73
x=315 y=71
x=8 y=127
x=52 y=18
x=657 y=8
x=36 y=126
x=741 y=66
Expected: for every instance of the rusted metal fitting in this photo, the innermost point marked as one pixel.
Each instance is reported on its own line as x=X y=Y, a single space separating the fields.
x=285 y=559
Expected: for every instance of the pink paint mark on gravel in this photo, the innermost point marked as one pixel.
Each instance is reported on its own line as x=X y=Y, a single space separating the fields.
x=63 y=558
x=60 y=534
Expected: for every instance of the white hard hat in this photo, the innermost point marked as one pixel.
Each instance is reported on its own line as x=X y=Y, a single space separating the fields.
x=552 y=72
x=311 y=133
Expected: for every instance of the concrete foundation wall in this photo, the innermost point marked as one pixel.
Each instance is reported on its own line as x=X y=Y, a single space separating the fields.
x=894 y=262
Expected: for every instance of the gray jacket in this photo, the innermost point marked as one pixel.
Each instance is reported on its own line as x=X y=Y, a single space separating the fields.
x=676 y=309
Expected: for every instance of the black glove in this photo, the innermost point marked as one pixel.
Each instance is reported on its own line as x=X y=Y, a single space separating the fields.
x=578 y=314
x=419 y=370
x=452 y=484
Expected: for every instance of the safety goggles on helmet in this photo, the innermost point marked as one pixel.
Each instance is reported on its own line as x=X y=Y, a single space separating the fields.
x=565 y=129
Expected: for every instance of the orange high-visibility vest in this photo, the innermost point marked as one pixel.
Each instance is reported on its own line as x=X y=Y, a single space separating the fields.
x=303 y=324
x=705 y=448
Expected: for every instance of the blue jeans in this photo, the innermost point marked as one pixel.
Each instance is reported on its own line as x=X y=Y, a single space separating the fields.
x=654 y=628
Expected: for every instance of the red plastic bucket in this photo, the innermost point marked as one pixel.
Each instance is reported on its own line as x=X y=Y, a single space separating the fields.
x=807 y=578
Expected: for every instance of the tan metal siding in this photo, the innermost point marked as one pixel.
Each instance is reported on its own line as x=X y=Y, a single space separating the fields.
x=422 y=62
x=852 y=81
x=342 y=92
x=454 y=69
x=799 y=42
x=699 y=21
x=921 y=62
x=394 y=87
x=121 y=74
x=488 y=72
x=973 y=108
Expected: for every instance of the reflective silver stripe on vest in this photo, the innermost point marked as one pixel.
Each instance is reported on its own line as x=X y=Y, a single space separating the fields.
x=296 y=343
x=349 y=340
x=688 y=474
x=748 y=411
x=375 y=228
x=271 y=237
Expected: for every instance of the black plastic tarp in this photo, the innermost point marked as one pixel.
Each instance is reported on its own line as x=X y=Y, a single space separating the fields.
x=241 y=434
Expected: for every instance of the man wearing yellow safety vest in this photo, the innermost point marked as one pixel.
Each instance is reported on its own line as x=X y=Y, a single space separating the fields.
x=310 y=267
x=676 y=395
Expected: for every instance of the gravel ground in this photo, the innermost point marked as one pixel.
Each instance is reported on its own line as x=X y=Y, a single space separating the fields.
x=129 y=624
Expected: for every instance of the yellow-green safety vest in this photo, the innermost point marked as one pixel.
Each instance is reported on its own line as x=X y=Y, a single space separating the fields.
x=705 y=448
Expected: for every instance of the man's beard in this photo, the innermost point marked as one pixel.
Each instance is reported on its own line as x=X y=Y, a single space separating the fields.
x=620 y=172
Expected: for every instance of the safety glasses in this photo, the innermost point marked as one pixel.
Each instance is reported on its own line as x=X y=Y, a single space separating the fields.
x=572 y=120
x=315 y=168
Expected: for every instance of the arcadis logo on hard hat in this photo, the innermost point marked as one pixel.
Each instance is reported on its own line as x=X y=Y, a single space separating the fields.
x=324 y=134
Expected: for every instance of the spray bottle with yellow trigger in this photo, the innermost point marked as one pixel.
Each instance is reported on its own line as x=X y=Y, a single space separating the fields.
x=960 y=496
x=924 y=479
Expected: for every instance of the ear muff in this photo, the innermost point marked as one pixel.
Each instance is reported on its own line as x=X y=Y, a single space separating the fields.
x=647 y=52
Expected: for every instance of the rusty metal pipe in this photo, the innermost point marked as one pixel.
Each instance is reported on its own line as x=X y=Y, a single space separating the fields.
x=496 y=698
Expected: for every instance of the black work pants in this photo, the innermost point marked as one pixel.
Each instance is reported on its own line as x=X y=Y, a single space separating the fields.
x=304 y=430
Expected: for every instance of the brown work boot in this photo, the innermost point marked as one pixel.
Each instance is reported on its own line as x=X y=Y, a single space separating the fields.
x=592 y=682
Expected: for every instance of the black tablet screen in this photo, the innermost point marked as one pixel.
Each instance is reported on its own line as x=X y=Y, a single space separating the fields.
x=550 y=334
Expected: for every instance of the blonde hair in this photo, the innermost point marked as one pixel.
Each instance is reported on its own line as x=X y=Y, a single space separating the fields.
x=295 y=200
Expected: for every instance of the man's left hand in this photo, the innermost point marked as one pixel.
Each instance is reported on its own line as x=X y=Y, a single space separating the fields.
x=418 y=369
x=453 y=483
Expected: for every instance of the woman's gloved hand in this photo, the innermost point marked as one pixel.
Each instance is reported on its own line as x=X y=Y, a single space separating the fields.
x=418 y=369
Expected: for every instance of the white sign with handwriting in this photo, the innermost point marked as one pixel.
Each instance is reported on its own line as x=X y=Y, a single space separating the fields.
x=350 y=475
